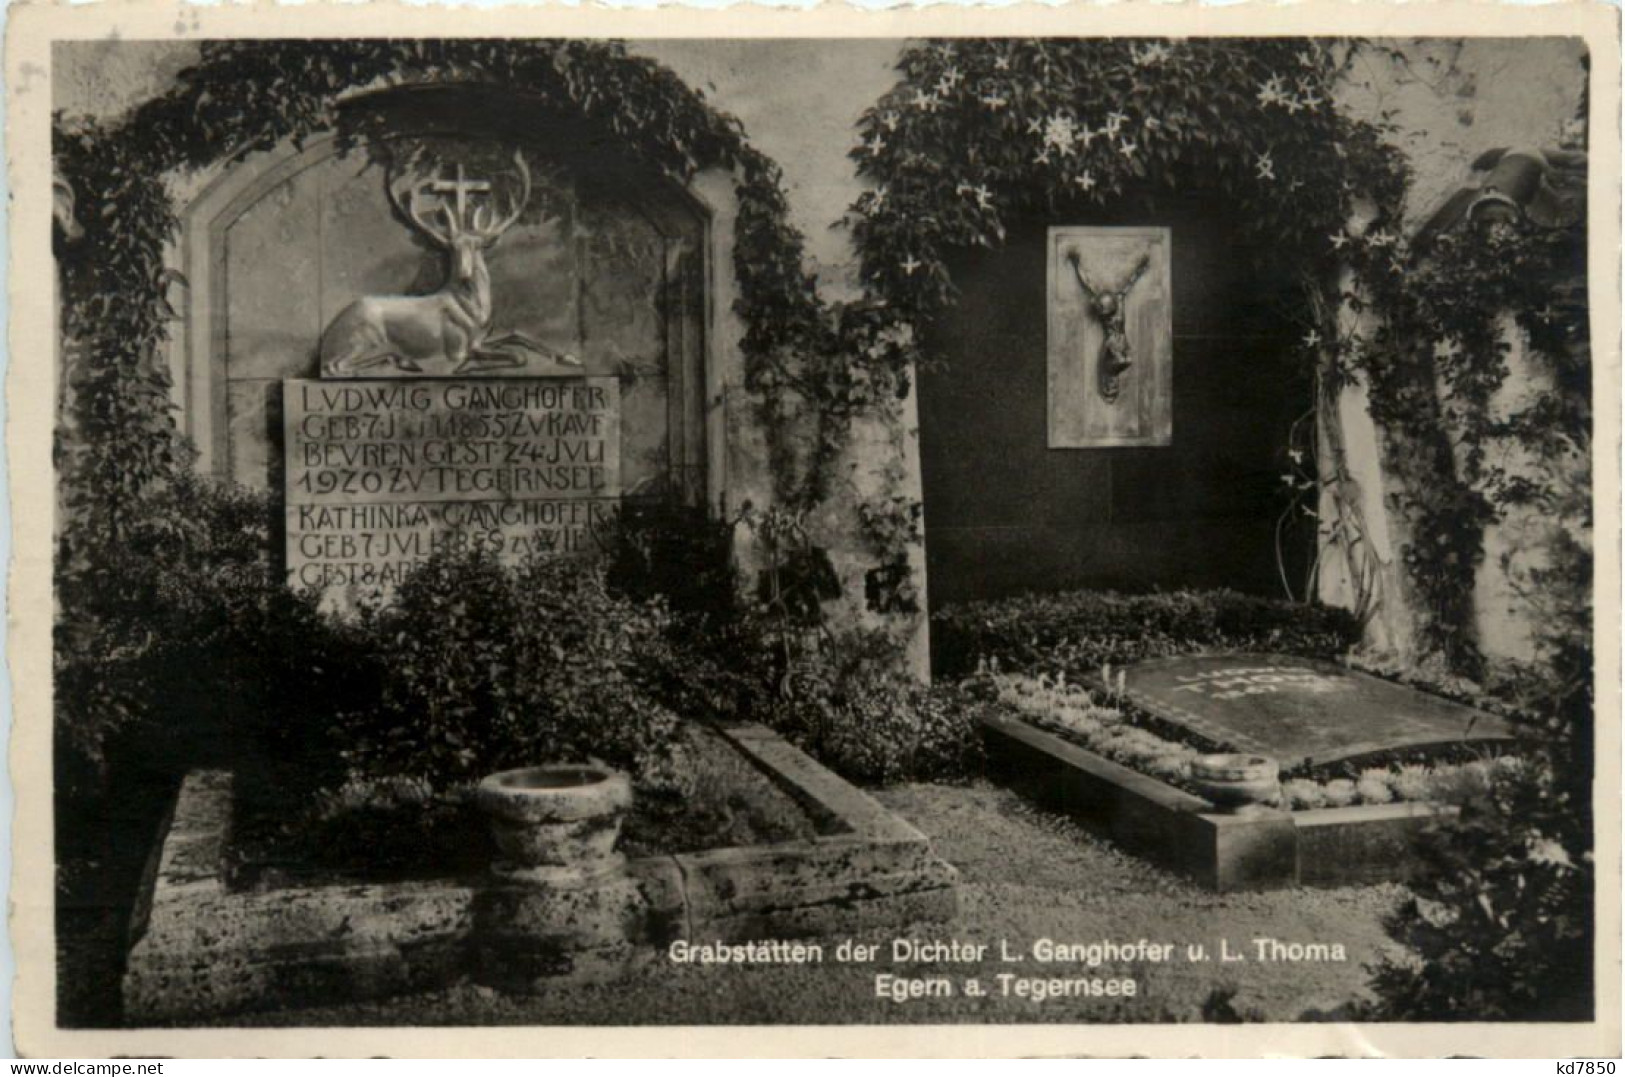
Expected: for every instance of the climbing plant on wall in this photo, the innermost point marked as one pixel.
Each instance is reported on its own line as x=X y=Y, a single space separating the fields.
x=975 y=134
x=129 y=510
x=978 y=134
x=247 y=96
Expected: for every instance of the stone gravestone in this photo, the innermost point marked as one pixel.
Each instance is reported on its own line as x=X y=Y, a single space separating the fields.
x=1299 y=709
x=382 y=473
x=433 y=427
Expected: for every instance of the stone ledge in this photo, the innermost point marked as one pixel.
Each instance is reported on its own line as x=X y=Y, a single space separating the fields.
x=199 y=949
x=1182 y=832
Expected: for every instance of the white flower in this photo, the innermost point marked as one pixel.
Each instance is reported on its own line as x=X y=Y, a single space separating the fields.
x=1339 y=240
x=1307 y=59
x=890 y=120
x=1114 y=122
x=1266 y=166
x=1086 y=136
x=1270 y=92
x=875 y=144
x=1001 y=63
x=1311 y=339
x=1151 y=54
x=984 y=197
x=944 y=87
x=1127 y=148
x=994 y=101
x=1086 y=180
x=1545 y=850
x=926 y=101
x=1041 y=158
x=879 y=197
x=910 y=265
x=1311 y=102
x=1035 y=125
x=1060 y=132
x=951 y=76
x=1293 y=105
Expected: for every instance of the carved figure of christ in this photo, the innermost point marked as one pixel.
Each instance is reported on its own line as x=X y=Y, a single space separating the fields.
x=1110 y=308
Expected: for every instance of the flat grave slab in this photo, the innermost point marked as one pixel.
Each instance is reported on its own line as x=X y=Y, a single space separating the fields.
x=1300 y=709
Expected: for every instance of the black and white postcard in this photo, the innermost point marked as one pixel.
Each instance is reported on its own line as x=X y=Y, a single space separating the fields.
x=821 y=535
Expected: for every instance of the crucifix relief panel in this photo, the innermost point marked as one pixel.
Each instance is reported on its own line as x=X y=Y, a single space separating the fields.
x=1110 y=337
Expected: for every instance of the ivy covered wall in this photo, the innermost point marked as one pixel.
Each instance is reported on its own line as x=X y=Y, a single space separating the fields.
x=1446 y=102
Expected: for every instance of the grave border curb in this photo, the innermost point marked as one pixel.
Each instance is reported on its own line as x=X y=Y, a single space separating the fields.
x=198 y=949
x=1182 y=832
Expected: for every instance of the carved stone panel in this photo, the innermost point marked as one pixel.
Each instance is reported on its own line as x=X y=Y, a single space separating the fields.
x=381 y=473
x=278 y=248
x=1110 y=337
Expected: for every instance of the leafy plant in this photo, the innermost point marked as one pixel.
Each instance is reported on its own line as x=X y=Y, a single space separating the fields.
x=1079 y=632
x=490 y=667
x=852 y=709
x=1500 y=925
x=182 y=646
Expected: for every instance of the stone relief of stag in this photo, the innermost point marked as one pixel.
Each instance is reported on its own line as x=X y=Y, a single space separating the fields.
x=448 y=331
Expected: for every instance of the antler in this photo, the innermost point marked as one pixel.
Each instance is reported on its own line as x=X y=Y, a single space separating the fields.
x=488 y=227
x=413 y=213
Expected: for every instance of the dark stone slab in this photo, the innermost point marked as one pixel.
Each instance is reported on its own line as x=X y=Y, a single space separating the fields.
x=1300 y=709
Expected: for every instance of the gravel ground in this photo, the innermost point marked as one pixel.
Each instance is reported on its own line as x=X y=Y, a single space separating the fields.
x=1025 y=875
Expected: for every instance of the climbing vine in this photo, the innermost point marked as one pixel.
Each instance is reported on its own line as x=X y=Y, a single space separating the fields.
x=246 y=96
x=978 y=134
x=975 y=135
x=1436 y=360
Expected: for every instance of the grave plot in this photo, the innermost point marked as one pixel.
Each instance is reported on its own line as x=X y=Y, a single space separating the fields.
x=211 y=939
x=1312 y=717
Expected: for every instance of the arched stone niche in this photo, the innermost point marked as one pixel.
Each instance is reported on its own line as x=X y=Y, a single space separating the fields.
x=608 y=263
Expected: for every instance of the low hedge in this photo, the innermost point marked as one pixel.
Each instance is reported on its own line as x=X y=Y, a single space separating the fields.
x=1078 y=632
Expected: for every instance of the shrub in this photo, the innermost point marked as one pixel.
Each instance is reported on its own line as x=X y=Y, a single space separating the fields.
x=718 y=664
x=1079 y=632
x=854 y=711
x=1303 y=795
x=1340 y=793
x=182 y=646
x=772 y=660
x=491 y=667
x=677 y=553
x=1411 y=782
x=1499 y=927
x=1373 y=787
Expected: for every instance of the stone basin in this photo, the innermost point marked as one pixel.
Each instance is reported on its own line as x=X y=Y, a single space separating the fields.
x=560 y=816
x=1237 y=782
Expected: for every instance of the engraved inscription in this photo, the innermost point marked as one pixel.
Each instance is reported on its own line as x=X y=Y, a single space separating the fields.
x=381 y=474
